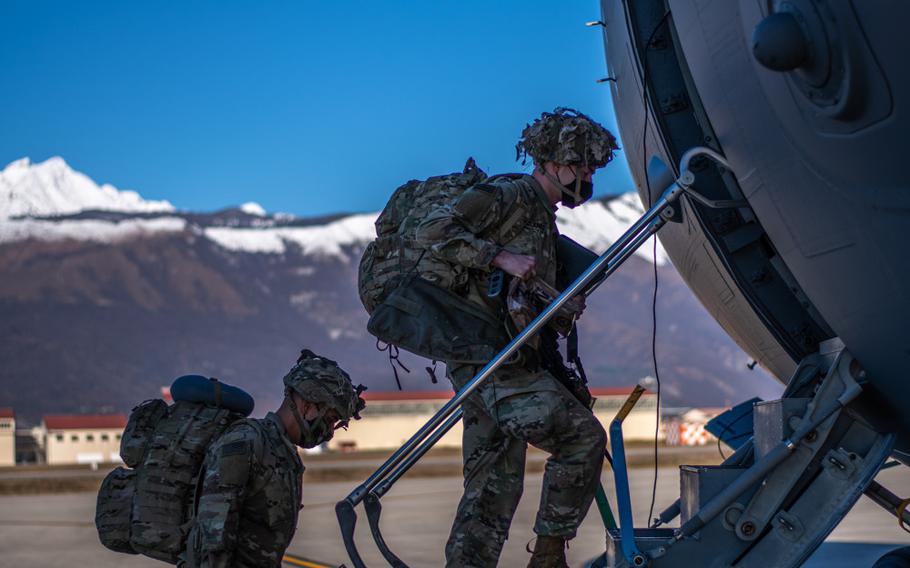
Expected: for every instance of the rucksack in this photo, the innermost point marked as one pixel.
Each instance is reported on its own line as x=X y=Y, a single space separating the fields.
x=147 y=507
x=430 y=319
x=395 y=254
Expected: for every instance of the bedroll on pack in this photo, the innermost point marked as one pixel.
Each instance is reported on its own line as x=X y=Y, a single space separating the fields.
x=147 y=507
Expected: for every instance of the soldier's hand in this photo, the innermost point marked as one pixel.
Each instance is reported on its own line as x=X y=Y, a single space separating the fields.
x=520 y=265
x=582 y=304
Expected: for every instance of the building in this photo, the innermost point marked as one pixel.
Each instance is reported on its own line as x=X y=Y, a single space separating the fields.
x=7 y=437
x=640 y=425
x=28 y=447
x=391 y=418
x=82 y=438
x=687 y=426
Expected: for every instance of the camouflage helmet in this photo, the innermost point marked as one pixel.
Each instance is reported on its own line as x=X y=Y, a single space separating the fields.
x=320 y=380
x=568 y=137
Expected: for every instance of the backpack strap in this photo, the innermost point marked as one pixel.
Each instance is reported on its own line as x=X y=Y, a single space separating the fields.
x=216 y=385
x=515 y=222
x=572 y=354
x=259 y=456
x=519 y=214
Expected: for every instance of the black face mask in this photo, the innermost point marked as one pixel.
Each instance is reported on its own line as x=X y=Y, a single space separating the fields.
x=583 y=189
x=575 y=192
x=312 y=432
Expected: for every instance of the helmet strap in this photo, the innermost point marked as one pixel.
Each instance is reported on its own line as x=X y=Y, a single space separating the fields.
x=312 y=432
x=576 y=195
x=301 y=423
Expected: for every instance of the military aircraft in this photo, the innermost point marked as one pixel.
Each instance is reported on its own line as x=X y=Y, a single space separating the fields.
x=766 y=140
x=794 y=245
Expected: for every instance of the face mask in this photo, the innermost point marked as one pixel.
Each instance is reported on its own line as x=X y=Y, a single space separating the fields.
x=575 y=192
x=312 y=432
x=317 y=432
x=582 y=192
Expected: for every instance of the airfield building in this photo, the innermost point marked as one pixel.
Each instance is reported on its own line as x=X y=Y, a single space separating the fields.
x=82 y=438
x=7 y=437
x=390 y=418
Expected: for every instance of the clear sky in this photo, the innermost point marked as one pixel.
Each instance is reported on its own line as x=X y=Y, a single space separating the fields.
x=306 y=107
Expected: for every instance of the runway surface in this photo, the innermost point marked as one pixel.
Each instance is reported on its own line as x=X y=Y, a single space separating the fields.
x=58 y=530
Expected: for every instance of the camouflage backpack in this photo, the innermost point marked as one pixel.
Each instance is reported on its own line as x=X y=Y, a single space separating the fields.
x=428 y=318
x=394 y=253
x=147 y=507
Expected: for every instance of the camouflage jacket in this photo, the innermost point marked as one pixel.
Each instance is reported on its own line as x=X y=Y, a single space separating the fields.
x=251 y=494
x=465 y=233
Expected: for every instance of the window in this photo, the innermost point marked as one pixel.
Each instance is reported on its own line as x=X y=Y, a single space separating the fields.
x=59 y=437
x=5 y=425
x=118 y=436
x=74 y=438
x=105 y=437
x=89 y=437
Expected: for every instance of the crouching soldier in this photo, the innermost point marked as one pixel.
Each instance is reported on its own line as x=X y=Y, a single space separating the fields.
x=246 y=512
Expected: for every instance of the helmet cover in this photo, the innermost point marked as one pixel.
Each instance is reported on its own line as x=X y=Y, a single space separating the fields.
x=320 y=380
x=568 y=137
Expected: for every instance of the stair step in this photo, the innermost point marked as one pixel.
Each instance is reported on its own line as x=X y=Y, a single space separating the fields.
x=699 y=483
x=645 y=540
x=772 y=422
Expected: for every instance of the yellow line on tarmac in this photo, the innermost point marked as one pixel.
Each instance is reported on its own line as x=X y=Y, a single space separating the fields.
x=297 y=561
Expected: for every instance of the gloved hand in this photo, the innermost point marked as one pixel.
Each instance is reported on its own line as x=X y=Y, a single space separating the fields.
x=526 y=299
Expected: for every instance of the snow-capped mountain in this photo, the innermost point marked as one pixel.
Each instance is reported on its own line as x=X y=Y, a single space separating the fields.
x=46 y=200
x=253 y=208
x=53 y=188
x=105 y=299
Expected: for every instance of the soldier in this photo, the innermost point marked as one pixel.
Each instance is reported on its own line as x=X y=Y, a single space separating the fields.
x=251 y=485
x=522 y=403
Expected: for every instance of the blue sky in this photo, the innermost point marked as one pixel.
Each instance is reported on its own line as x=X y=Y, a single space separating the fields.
x=305 y=107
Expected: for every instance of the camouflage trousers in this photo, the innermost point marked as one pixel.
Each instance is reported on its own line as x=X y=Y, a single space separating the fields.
x=517 y=407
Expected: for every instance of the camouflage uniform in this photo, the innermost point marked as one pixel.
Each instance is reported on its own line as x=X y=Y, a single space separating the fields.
x=521 y=403
x=250 y=498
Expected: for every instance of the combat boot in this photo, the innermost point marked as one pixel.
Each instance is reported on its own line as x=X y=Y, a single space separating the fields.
x=549 y=552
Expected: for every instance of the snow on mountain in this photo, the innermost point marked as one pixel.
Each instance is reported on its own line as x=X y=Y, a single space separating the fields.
x=53 y=188
x=87 y=229
x=253 y=208
x=319 y=240
x=598 y=224
x=595 y=225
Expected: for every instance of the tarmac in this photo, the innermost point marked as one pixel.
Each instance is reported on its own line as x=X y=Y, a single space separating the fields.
x=57 y=530
x=441 y=462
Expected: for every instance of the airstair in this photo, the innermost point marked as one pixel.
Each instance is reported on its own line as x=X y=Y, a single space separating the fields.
x=807 y=461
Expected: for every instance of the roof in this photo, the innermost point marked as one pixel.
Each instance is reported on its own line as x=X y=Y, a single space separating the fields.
x=7 y=413
x=400 y=396
x=616 y=391
x=407 y=395
x=84 y=421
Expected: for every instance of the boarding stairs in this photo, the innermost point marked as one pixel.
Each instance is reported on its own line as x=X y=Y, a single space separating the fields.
x=807 y=460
